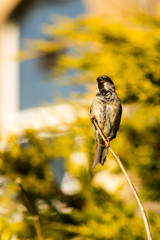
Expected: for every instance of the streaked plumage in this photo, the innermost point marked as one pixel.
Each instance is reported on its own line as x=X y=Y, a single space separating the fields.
x=107 y=110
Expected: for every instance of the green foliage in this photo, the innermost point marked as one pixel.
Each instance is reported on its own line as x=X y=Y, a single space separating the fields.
x=103 y=206
x=128 y=52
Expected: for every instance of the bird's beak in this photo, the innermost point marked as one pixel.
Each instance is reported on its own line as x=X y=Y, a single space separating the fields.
x=100 y=80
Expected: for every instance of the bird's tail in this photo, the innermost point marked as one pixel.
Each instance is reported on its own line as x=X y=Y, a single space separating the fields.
x=100 y=155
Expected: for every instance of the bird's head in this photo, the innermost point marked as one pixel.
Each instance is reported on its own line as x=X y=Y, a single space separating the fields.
x=104 y=82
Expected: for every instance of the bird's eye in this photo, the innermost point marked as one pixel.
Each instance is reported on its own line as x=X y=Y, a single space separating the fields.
x=101 y=80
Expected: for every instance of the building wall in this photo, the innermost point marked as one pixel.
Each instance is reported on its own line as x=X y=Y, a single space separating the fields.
x=24 y=85
x=118 y=7
x=7 y=6
x=9 y=71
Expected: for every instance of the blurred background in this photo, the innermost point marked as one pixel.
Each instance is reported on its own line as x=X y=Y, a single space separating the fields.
x=51 y=52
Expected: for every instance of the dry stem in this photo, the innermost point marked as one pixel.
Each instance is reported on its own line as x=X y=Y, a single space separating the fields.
x=31 y=210
x=128 y=179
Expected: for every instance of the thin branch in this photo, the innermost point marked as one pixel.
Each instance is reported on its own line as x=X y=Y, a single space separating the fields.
x=31 y=210
x=94 y=121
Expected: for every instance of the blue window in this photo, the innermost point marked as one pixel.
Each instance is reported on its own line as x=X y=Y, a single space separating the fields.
x=35 y=88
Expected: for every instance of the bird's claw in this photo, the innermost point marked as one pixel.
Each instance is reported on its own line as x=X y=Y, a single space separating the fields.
x=107 y=143
x=92 y=118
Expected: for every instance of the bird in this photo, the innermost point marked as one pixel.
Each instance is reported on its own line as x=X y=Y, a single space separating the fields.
x=106 y=109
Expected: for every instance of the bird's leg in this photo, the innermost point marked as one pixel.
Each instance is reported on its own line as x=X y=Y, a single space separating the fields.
x=93 y=118
x=107 y=143
x=106 y=140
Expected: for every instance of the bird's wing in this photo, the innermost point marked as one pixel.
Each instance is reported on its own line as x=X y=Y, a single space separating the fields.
x=116 y=120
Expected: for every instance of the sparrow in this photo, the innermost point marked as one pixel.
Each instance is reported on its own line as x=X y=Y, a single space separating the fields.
x=106 y=109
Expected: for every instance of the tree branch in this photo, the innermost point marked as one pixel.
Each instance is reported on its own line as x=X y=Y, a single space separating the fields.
x=31 y=210
x=94 y=121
